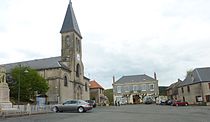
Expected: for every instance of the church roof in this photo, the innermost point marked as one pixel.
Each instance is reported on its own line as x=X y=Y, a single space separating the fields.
x=70 y=22
x=95 y=85
x=134 y=79
x=38 y=64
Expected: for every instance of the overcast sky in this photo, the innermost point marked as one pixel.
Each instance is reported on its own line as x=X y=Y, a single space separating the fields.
x=120 y=37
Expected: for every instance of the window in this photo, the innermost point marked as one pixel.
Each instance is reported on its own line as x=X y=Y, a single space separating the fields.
x=140 y=87
x=86 y=87
x=207 y=98
x=115 y=89
x=118 y=89
x=68 y=41
x=73 y=102
x=151 y=87
x=183 y=99
x=198 y=99
x=188 y=88
x=130 y=88
x=78 y=70
x=65 y=81
x=209 y=85
x=182 y=90
x=147 y=86
x=126 y=88
x=78 y=44
x=135 y=88
x=144 y=87
x=67 y=102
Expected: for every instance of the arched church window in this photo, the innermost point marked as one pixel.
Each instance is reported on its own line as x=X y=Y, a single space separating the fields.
x=78 y=45
x=86 y=87
x=78 y=70
x=65 y=81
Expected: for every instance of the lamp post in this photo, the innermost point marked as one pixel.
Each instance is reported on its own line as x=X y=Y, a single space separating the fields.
x=20 y=84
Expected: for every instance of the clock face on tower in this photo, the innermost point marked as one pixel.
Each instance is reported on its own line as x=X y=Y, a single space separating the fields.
x=78 y=57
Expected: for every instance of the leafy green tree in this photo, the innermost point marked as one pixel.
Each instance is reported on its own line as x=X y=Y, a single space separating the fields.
x=109 y=94
x=30 y=83
x=162 y=90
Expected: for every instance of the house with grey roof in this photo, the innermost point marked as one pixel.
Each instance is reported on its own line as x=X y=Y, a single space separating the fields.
x=172 y=90
x=65 y=73
x=195 y=88
x=132 y=89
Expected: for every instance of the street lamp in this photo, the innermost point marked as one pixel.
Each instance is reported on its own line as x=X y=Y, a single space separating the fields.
x=19 y=84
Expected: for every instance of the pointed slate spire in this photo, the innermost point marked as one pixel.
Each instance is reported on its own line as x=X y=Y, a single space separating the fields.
x=70 y=22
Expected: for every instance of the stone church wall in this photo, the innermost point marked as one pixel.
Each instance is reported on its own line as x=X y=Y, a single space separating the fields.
x=86 y=94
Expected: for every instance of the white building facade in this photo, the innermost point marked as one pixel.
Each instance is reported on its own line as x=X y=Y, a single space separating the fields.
x=132 y=89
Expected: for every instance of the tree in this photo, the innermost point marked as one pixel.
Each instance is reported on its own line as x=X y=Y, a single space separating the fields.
x=30 y=83
x=189 y=72
x=162 y=90
x=109 y=94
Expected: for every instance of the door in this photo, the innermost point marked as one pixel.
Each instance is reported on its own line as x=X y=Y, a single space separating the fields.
x=73 y=105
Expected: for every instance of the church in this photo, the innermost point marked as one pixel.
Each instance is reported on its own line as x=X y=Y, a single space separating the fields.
x=65 y=73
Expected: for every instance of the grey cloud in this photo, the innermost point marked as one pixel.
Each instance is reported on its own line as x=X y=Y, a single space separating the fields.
x=29 y=55
x=170 y=61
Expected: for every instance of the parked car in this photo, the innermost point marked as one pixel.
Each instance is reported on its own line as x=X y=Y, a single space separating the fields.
x=92 y=102
x=72 y=105
x=169 y=102
x=180 y=103
x=160 y=101
x=147 y=100
x=163 y=102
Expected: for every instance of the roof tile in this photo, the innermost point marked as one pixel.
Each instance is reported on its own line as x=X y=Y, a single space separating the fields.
x=95 y=85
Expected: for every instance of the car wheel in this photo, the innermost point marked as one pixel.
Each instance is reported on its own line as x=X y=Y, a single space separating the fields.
x=55 y=109
x=186 y=104
x=80 y=109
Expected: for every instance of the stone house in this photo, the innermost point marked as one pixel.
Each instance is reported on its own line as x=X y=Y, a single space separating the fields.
x=195 y=88
x=97 y=93
x=65 y=73
x=172 y=90
x=131 y=89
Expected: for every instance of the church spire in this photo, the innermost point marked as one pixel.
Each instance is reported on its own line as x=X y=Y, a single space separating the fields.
x=70 y=23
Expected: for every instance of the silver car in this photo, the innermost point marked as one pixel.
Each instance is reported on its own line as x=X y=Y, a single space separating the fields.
x=72 y=105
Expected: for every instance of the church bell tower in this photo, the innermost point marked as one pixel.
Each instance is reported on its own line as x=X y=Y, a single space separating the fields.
x=71 y=50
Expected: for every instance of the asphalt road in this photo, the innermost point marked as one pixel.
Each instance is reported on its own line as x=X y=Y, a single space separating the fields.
x=126 y=113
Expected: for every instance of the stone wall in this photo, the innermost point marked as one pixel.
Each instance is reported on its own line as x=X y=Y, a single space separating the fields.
x=199 y=89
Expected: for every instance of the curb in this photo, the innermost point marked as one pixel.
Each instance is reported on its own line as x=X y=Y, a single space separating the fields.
x=20 y=114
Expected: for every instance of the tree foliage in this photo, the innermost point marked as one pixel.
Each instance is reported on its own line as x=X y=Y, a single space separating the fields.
x=109 y=94
x=189 y=72
x=162 y=90
x=30 y=83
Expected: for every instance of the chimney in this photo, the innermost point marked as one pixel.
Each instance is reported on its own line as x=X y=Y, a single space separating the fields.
x=155 y=76
x=113 y=79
